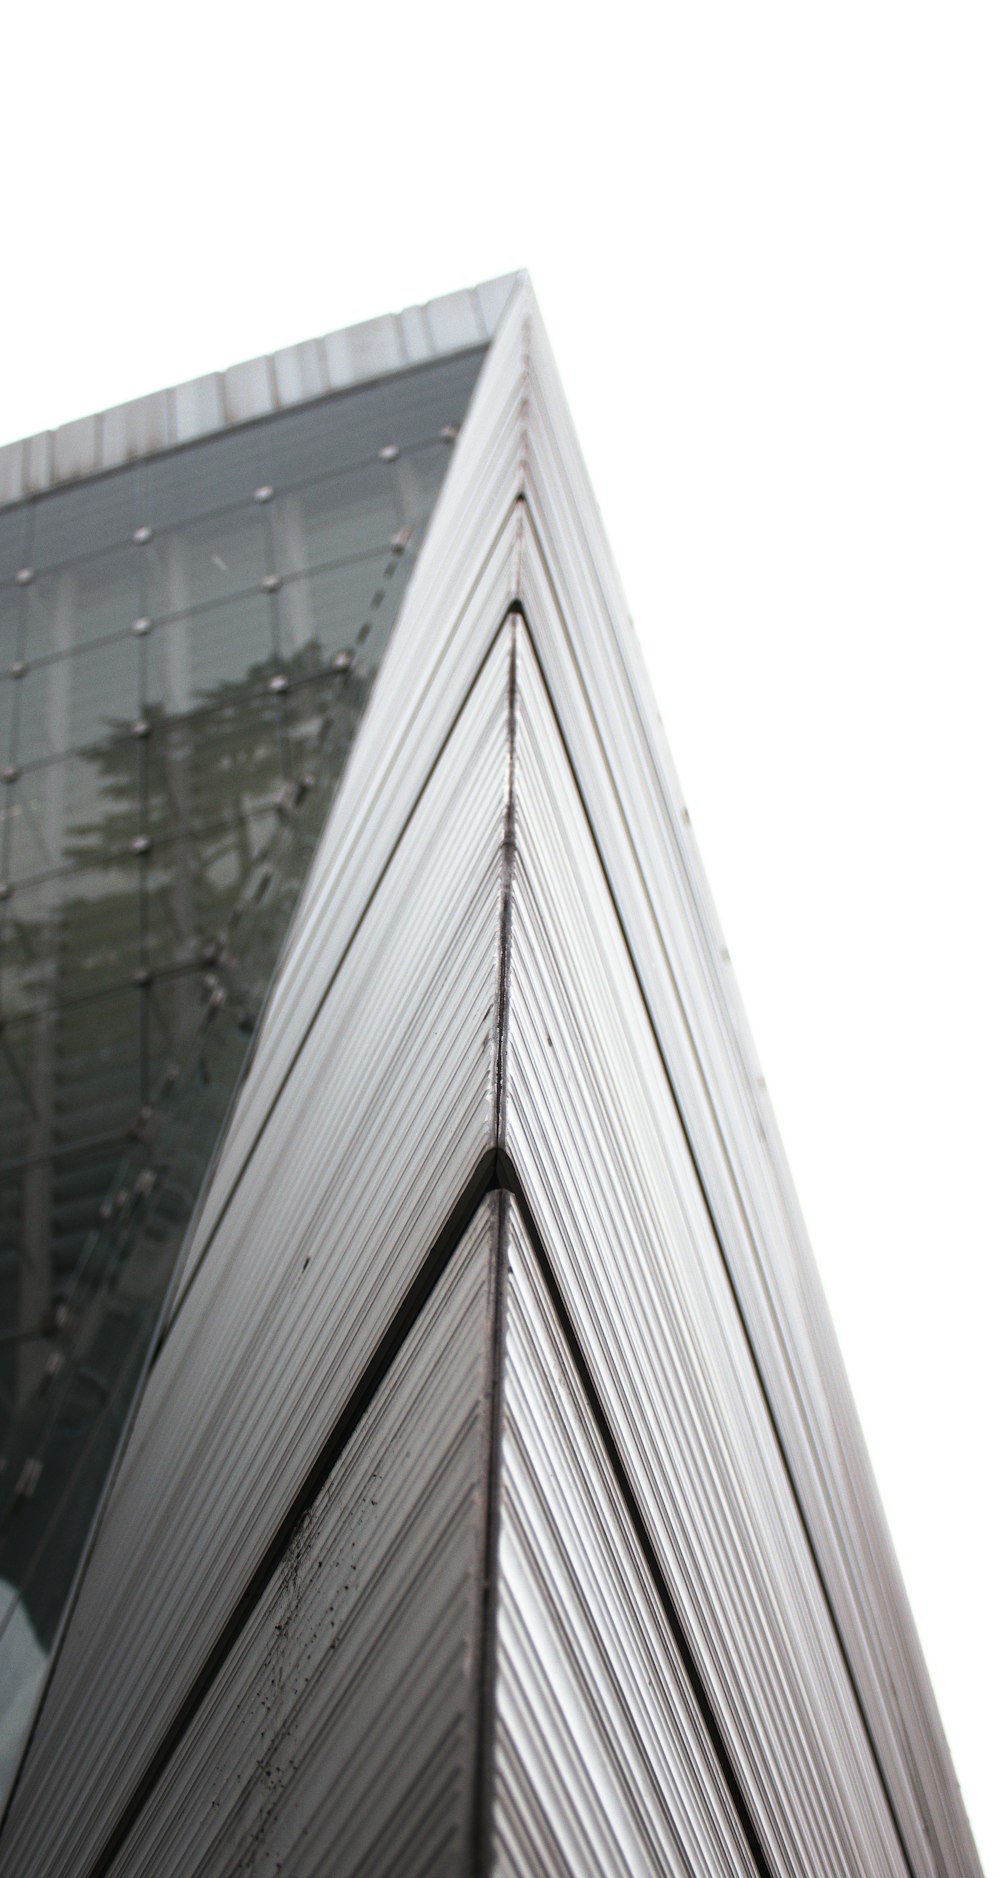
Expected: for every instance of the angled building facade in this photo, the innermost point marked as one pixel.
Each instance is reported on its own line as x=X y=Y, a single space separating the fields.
x=428 y=1450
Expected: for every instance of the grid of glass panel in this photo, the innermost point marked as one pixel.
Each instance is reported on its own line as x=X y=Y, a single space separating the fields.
x=185 y=648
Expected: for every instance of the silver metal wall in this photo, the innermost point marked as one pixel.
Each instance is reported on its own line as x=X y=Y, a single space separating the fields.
x=685 y=1646
x=603 y=1761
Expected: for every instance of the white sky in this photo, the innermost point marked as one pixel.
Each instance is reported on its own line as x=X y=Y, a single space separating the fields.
x=765 y=242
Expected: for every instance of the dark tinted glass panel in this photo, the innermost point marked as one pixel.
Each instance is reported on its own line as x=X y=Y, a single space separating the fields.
x=210 y=559
x=192 y=655
x=72 y=810
x=87 y=600
x=189 y=485
x=195 y=659
x=340 y=517
x=15 y=540
x=11 y=610
x=91 y=519
x=8 y=718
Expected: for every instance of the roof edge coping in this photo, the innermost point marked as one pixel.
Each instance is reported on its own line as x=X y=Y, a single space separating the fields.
x=256 y=388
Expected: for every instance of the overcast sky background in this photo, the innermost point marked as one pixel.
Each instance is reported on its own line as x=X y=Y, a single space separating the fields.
x=765 y=242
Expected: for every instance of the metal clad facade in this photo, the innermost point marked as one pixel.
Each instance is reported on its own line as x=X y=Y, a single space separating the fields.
x=591 y=1128
x=610 y=1411
x=636 y=809
x=603 y=1763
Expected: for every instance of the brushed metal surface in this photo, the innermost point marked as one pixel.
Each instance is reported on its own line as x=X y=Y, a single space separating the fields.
x=590 y=1126
x=300 y=373
x=198 y=408
x=603 y=1763
x=637 y=810
x=456 y=319
x=249 y=391
x=337 y=1733
x=11 y=473
x=36 y=464
x=579 y=625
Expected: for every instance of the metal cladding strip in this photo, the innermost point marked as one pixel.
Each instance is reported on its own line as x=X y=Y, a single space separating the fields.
x=636 y=810
x=602 y=1762
x=590 y=1126
x=460 y=590
x=337 y=1732
x=146 y=426
x=648 y=853
x=326 y=1236
x=804 y=1411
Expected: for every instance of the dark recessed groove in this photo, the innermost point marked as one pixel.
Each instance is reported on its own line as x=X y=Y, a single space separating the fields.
x=484 y=1675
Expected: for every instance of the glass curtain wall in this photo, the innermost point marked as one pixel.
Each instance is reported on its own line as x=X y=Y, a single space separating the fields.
x=186 y=646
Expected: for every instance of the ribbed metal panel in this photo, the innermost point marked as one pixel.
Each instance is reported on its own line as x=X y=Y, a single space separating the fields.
x=506 y=966
x=591 y=1127
x=579 y=620
x=249 y=391
x=198 y=407
x=129 y=431
x=253 y=389
x=11 y=473
x=456 y=320
x=375 y=347
x=602 y=1760
x=337 y=1734
x=492 y=297
x=74 y=446
x=300 y=373
x=416 y=333
x=355 y=1174
x=36 y=465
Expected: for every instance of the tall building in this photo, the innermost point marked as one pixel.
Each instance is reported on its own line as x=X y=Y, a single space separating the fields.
x=427 y=1448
